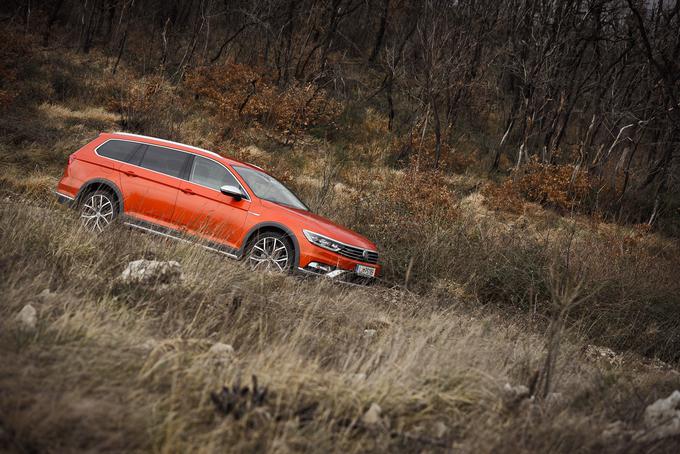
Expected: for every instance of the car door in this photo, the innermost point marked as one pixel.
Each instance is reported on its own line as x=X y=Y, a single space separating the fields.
x=205 y=211
x=150 y=183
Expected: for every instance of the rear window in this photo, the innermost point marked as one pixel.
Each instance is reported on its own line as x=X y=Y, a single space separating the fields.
x=164 y=160
x=120 y=150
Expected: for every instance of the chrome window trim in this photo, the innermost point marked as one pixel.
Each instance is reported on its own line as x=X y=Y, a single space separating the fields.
x=168 y=142
x=247 y=196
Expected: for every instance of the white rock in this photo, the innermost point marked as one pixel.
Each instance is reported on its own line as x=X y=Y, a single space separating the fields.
x=596 y=353
x=554 y=399
x=48 y=297
x=221 y=354
x=369 y=333
x=148 y=345
x=516 y=392
x=373 y=415
x=439 y=429
x=613 y=430
x=662 y=418
x=218 y=348
x=27 y=318
x=152 y=271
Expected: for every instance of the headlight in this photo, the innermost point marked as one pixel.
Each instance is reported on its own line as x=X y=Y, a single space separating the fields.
x=322 y=241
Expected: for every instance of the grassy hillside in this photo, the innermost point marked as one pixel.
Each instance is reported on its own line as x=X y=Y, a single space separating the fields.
x=484 y=287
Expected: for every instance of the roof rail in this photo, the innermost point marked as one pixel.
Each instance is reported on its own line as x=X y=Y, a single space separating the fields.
x=169 y=142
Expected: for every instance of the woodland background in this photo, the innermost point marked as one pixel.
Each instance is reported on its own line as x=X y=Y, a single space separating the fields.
x=516 y=162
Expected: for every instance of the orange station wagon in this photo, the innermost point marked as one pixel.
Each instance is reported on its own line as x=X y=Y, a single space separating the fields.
x=188 y=193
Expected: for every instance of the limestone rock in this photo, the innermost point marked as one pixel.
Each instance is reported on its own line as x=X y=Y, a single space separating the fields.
x=152 y=272
x=27 y=318
x=219 y=348
x=596 y=353
x=614 y=430
x=516 y=392
x=373 y=416
x=370 y=333
x=662 y=418
x=221 y=354
x=439 y=429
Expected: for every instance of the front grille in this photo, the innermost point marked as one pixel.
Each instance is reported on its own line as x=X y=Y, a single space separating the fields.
x=356 y=253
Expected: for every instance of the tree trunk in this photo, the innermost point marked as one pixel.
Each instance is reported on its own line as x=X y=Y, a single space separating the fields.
x=380 y=36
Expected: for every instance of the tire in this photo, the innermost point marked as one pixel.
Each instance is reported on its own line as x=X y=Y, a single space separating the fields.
x=97 y=210
x=270 y=251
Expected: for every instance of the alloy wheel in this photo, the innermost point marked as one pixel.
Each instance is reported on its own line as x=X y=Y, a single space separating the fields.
x=269 y=253
x=97 y=212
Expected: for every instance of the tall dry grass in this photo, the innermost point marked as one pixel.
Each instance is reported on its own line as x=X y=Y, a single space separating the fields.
x=125 y=367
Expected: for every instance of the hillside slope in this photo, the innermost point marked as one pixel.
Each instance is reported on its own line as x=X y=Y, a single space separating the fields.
x=489 y=333
x=121 y=366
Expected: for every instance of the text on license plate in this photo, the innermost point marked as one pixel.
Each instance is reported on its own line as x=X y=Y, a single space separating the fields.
x=364 y=270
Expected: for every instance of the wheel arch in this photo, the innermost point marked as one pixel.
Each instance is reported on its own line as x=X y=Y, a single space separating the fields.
x=101 y=183
x=272 y=227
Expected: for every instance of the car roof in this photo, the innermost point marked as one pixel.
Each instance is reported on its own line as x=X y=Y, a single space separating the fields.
x=180 y=146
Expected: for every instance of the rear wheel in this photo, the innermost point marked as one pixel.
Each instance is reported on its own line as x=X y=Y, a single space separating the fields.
x=270 y=251
x=97 y=210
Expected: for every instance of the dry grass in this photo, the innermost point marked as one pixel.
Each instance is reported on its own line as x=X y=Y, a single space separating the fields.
x=119 y=367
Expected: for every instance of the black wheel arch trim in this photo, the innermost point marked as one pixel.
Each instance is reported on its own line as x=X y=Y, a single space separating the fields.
x=102 y=181
x=274 y=225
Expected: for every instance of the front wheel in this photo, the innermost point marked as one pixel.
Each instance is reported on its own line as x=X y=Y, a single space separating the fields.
x=270 y=251
x=98 y=210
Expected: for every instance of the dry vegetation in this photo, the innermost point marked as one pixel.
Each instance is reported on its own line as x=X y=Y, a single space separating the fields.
x=125 y=367
x=484 y=285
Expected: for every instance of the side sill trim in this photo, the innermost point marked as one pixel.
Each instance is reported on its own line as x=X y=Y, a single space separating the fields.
x=67 y=197
x=184 y=240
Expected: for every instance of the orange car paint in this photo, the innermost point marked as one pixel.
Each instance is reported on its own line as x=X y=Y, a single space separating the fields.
x=181 y=205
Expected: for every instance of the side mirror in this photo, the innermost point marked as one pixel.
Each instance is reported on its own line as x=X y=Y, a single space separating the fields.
x=232 y=191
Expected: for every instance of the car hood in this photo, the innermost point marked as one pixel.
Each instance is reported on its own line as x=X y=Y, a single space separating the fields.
x=323 y=226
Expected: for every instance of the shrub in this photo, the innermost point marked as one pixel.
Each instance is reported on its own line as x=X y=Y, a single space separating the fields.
x=503 y=196
x=15 y=50
x=559 y=186
x=419 y=151
x=410 y=215
x=148 y=105
x=240 y=94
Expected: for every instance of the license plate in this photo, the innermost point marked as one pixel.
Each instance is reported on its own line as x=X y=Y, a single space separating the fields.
x=363 y=270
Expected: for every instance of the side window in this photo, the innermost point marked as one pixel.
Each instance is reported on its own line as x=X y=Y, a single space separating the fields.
x=209 y=173
x=120 y=150
x=164 y=160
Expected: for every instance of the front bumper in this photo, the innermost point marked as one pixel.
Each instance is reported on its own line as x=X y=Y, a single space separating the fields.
x=317 y=261
x=338 y=275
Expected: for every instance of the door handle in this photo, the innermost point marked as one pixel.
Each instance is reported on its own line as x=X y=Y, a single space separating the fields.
x=188 y=191
x=130 y=173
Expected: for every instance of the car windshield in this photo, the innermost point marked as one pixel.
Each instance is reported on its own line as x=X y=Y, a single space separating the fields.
x=269 y=188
